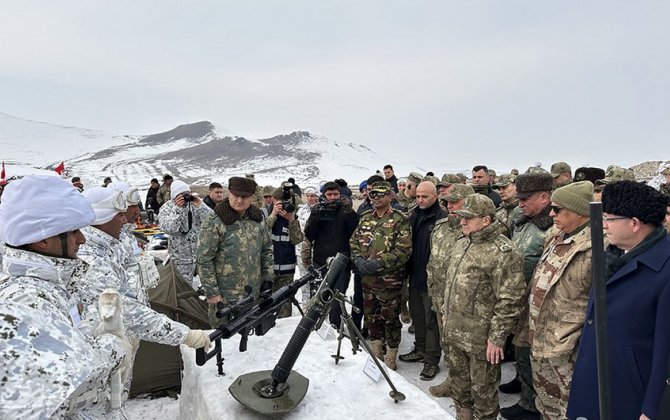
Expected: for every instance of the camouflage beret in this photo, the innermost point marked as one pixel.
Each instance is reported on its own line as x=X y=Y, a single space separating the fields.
x=459 y=192
x=616 y=173
x=589 y=174
x=476 y=205
x=383 y=187
x=504 y=180
x=267 y=190
x=243 y=187
x=415 y=177
x=559 y=168
x=529 y=183
x=448 y=179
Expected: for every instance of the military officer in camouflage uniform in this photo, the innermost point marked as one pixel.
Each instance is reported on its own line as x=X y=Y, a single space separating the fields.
x=483 y=297
x=163 y=194
x=49 y=368
x=445 y=234
x=530 y=230
x=408 y=197
x=507 y=191
x=234 y=248
x=181 y=219
x=559 y=294
x=613 y=173
x=380 y=247
x=562 y=174
x=446 y=184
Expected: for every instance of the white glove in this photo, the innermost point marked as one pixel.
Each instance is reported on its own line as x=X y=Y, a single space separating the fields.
x=197 y=339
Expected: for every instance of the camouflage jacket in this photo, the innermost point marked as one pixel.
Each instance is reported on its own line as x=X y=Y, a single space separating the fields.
x=163 y=194
x=484 y=291
x=405 y=201
x=139 y=266
x=529 y=236
x=445 y=234
x=50 y=369
x=104 y=270
x=233 y=252
x=504 y=216
x=173 y=220
x=559 y=295
x=387 y=238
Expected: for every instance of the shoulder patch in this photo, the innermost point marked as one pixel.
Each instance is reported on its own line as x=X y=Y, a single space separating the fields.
x=503 y=244
x=442 y=220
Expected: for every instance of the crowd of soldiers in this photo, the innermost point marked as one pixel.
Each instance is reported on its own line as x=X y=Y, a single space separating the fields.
x=488 y=269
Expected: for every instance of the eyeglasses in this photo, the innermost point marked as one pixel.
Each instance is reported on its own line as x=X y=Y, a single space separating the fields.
x=376 y=194
x=613 y=218
x=116 y=202
x=556 y=209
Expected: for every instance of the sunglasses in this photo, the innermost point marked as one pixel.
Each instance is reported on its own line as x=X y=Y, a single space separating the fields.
x=556 y=209
x=377 y=194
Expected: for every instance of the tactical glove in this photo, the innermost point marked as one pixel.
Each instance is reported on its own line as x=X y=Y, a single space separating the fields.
x=372 y=266
x=359 y=263
x=197 y=339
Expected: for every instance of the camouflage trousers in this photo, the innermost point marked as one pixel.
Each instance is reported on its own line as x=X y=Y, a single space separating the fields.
x=381 y=306
x=187 y=271
x=279 y=281
x=552 y=378
x=474 y=383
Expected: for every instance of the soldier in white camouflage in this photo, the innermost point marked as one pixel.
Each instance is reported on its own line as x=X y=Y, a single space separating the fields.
x=559 y=294
x=445 y=234
x=380 y=247
x=531 y=227
x=234 y=249
x=483 y=297
x=181 y=218
x=49 y=368
x=507 y=191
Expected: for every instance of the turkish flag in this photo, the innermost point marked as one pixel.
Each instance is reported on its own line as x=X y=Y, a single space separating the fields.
x=60 y=168
x=2 y=174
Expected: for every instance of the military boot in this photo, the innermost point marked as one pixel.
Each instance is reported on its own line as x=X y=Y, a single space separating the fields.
x=463 y=413
x=390 y=358
x=377 y=349
x=442 y=390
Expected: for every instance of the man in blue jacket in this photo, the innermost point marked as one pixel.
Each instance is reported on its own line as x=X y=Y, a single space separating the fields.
x=638 y=308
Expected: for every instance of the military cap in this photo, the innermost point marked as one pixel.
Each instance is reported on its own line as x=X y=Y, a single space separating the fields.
x=514 y=172
x=459 y=192
x=278 y=193
x=243 y=187
x=267 y=190
x=383 y=187
x=529 y=183
x=559 y=168
x=492 y=172
x=536 y=170
x=415 y=177
x=504 y=180
x=449 y=179
x=476 y=205
x=616 y=173
x=589 y=174
x=430 y=178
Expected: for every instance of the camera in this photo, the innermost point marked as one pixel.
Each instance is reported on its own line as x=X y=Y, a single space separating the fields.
x=288 y=197
x=188 y=198
x=328 y=209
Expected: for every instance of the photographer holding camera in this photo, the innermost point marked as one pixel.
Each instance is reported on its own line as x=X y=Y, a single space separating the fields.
x=329 y=227
x=181 y=218
x=285 y=232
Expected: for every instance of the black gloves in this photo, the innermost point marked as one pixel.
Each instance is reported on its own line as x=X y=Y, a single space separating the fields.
x=367 y=267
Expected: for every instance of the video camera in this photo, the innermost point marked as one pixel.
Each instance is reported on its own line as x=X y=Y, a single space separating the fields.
x=288 y=197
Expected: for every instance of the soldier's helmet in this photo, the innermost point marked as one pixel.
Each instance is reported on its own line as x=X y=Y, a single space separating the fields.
x=476 y=205
x=504 y=180
x=459 y=192
x=616 y=173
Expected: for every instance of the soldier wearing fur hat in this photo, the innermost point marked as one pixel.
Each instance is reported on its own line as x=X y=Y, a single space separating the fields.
x=559 y=292
x=530 y=229
x=234 y=248
x=638 y=308
x=483 y=299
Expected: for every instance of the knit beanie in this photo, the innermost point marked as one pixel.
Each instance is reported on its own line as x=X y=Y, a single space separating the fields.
x=633 y=199
x=575 y=197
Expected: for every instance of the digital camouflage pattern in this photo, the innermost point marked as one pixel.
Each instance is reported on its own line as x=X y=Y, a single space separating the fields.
x=445 y=234
x=504 y=216
x=616 y=173
x=49 y=368
x=474 y=383
x=484 y=291
x=387 y=238
x=102 y=252
x=559 y=295
x=173 y=220
x=139 y=266
x=231 y=256
x=404 y=200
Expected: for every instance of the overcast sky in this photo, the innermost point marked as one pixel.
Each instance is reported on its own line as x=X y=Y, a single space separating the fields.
x=448 y=83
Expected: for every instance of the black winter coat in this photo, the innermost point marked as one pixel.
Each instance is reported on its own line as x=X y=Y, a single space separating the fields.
x=423 y=221
x=330 y=236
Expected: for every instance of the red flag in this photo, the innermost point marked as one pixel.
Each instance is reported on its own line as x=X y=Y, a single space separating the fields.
x=60 y=168
x=2 y=174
